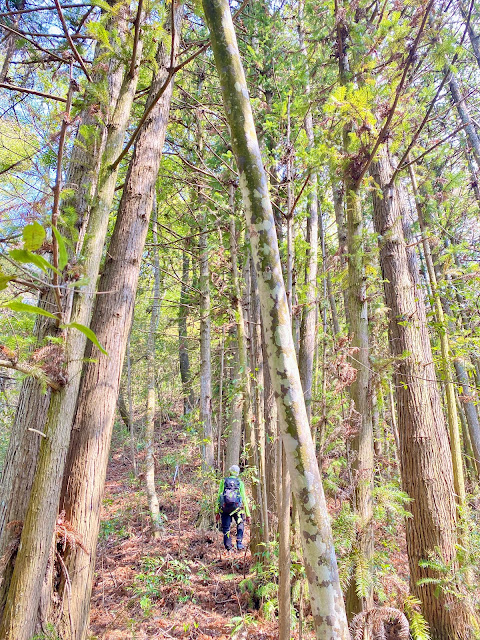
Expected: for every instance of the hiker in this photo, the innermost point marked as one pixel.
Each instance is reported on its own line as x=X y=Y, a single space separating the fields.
x=232 y=504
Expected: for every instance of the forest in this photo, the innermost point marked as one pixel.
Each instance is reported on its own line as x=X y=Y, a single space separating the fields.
x=240 y=240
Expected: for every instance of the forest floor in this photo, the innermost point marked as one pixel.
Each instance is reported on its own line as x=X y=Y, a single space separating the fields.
x=181 y=585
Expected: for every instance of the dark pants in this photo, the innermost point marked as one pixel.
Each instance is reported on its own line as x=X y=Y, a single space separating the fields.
x=226 y=522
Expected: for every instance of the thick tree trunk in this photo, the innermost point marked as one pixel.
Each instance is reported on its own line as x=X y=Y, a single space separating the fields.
x=453 y=425
x=319 y=555
x=22 y=454
x=88 y=455
x=30 y=565
x=427 y=473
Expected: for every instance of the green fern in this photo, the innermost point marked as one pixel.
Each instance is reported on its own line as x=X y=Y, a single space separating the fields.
x=363 y=576
x=418 y=625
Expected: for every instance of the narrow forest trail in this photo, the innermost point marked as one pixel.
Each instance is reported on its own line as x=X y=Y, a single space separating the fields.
x=182 y=585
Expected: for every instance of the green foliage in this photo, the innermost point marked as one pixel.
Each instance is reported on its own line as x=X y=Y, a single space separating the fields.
x=88 y=333
x=27 y=257
x=33 y=236
x=50 y=633
x=418 y=625
x=16 y=305
x=157 y=572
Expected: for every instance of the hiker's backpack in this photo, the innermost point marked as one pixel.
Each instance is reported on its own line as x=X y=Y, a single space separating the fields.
x=230 y=500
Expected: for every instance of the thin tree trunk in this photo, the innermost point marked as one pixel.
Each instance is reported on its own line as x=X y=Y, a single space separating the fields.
x=307 y=331
x=10 y=44
x=464 y=116
x=259 y=387
x=427 y=472
x=185 y=375
x=220 y=402
x=153 y=505
x=133 y=445
x=205 y=326
x=234 y=440
x=284 y=563
x=319 y=555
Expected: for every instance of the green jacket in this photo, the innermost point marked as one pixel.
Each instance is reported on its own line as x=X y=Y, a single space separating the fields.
x=243 y=495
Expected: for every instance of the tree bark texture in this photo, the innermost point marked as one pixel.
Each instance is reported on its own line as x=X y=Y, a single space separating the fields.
x=361 y=409
x=426 y=467
x=22 y=454
x=84 y=477
x=453 y=426
x=39 y=521
x=319 y=555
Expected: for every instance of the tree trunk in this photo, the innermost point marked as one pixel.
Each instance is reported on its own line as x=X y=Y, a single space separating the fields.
x=307 y=331
x=88 y=455
x=453 y=425
x=22 y=454
x=205 y=353
x=464 y=116
x=152 y=497
x=427 y=473
x=259 y=402
x=185 y=375
x=319 y=555
x=284 y=561
x=358 y=599
x=37 y=534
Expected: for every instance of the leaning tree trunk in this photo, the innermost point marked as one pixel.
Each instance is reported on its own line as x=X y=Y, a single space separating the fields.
x=319 y=555
x=30 y=565
x=21 y=458
x=85 y=472
x=426 y=463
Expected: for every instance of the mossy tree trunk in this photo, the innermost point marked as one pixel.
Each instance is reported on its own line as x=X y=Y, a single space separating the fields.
x=319 y=555
x=84 y=477
x=18 y=623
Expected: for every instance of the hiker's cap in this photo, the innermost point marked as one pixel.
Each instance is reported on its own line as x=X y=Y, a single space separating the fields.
x=234 y=470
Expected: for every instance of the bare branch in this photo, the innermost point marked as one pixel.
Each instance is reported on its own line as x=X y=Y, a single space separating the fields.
x=136 y=38
x=8 y=14
x=36 y=372
x=433 y=102
x=430 y=149
x=391 y=112
x=14 y=87
x=36 y=45
x=78 y=57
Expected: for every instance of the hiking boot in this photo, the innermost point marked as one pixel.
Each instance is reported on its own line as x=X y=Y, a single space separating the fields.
x=228 y=549
x=240 y=546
